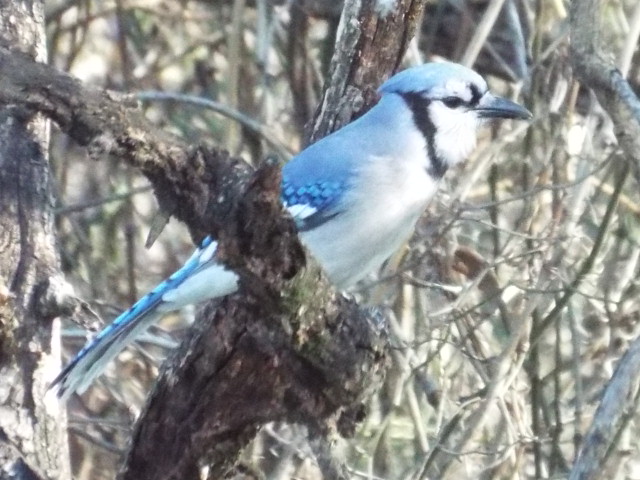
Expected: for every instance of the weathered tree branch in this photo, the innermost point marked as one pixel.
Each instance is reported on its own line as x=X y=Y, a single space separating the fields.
x=191 y=182
x=616 y=409
x=596 y=72
x=260 y=335
x=33 y=438
x=369 y=49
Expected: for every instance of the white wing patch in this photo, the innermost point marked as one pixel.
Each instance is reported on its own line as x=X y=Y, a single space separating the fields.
x=301 y=211
x=208 y=252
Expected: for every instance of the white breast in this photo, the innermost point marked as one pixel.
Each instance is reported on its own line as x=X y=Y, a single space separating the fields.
x=380 y=213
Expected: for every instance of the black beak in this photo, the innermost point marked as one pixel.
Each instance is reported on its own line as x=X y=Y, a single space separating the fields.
x=497 y=107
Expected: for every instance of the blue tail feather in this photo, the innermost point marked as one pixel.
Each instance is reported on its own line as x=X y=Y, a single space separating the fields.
x=201 y=277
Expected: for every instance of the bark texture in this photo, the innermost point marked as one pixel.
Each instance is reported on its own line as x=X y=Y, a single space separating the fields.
x=107 y=122
x=615 y=411
x=33 y=442
x=594 y=70
x=369 y=49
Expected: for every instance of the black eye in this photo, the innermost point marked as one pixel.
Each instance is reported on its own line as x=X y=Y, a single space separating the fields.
x=452 y=102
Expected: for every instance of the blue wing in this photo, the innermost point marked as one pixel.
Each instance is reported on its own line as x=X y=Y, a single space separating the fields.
x=312 y=204
x=315 y=182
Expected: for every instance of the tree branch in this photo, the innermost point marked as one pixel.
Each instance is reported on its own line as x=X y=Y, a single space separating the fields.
x=369 y=49
x=596 y=72
x=617 y=407
x=194 y=183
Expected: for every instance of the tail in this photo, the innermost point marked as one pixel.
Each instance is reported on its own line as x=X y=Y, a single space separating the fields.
x=201 y=278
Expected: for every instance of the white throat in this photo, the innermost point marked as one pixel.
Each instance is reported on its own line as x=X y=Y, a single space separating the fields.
x=455 y=133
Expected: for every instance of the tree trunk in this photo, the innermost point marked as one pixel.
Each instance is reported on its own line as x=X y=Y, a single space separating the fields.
x=33 y=441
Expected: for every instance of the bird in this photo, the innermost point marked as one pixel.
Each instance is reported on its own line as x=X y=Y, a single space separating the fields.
x=355 y=196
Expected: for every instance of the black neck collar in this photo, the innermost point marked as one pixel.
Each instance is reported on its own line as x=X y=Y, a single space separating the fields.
x=419 y=108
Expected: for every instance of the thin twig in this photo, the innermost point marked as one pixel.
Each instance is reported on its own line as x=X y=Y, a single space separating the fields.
x=589 y=262
x=67 y=209
x=482 y=32
x=631 y=43
x=245 y=120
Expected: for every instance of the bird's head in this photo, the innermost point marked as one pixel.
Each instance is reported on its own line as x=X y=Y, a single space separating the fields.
x=449 y=103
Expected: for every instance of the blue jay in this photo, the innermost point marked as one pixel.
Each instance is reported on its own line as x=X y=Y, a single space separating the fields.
x=355 y=196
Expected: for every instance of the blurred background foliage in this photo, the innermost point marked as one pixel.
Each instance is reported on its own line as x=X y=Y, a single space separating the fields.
x=539 y=230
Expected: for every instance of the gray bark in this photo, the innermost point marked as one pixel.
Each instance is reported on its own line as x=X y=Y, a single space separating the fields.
x=595 y=71
x=33 y=442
